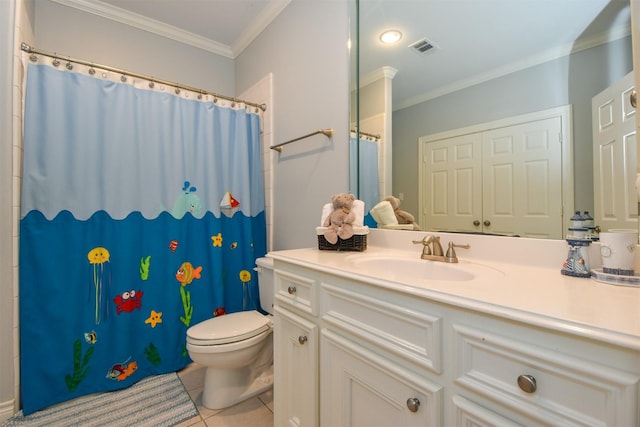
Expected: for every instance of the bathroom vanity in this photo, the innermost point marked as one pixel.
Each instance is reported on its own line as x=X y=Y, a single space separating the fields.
x=383 y=338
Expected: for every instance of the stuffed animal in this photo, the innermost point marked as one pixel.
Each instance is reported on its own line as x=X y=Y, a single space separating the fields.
x=339 y=222
x=403 y=217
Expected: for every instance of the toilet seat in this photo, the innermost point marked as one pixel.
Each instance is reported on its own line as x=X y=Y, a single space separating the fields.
x=229 y=328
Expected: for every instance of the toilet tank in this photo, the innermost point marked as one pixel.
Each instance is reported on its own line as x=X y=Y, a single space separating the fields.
x=264 y=267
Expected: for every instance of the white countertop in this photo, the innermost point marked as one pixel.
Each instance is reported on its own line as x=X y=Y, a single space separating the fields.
x=537 y=295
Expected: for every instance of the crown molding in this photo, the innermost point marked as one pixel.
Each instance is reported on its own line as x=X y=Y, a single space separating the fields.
x=268 y=14
x=117 y=14
x=385 y=72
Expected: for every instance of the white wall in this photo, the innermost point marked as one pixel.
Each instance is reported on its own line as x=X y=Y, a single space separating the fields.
x=16 y=26
x=6 y=212
x=71 y=32
x=306 y=50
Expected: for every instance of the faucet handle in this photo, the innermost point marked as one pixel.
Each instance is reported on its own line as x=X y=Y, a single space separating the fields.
x=451 y=255
x=426 y=250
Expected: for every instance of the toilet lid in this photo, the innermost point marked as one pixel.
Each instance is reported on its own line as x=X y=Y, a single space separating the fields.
x=228 y=328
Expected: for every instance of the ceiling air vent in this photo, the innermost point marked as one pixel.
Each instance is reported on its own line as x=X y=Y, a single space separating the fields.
x=422 y=46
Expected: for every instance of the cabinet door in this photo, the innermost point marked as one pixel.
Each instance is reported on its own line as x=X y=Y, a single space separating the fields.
x=296 y=370
x=467 y=413
x=362 y=389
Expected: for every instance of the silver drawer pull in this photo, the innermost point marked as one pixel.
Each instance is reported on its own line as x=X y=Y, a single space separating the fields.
x=527 y=383
x=291 y=290
x=302 y=339
x=413 y=404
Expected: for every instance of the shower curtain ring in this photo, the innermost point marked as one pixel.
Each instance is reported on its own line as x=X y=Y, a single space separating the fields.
x=55 y=62
x=151 y=84
x=33 y=57
x=69 y=66
x=123 y=78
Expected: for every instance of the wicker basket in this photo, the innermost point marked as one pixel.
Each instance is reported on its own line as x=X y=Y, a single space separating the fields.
x=357 y=242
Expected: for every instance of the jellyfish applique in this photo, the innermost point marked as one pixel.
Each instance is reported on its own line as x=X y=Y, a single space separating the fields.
x=247 y=299
x=99 y=259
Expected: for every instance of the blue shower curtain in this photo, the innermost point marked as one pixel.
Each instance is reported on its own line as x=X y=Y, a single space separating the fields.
x=142 y=214
x=363 y=158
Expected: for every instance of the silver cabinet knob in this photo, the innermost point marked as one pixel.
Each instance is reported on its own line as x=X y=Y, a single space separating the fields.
x=476 y=223
x=291 y=290
x=487 y=223
x=302 y=339
x=413 y=404
x=527 y=383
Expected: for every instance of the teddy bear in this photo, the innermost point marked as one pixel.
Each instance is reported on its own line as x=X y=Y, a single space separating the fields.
x=403 y=217
x=339 y=222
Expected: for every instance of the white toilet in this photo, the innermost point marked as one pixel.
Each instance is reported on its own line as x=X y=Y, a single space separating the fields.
x=236 y=349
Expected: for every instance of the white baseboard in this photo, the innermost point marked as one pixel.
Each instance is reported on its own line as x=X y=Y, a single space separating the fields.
x=6 y=409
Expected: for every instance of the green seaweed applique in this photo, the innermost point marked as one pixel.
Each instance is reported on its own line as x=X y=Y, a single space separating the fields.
x=80 y=369
x=152 y=354
x=186 y=304
x=145 y=264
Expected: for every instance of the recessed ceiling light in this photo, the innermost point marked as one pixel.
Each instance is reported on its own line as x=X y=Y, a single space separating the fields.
x=390 y=36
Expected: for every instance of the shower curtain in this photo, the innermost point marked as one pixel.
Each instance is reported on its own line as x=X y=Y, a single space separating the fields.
x=363 y=158
x=142 y=214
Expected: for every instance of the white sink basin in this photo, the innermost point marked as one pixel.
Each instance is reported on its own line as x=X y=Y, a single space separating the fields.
x=418 y=269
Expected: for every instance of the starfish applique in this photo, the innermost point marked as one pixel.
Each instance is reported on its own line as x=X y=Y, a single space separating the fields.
x=154 y=318
x=217 y=240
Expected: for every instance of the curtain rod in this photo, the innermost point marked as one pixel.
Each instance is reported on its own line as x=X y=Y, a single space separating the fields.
x=26 y=48
x=370 y=135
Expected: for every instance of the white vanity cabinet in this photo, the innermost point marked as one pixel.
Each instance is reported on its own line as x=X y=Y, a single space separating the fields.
x=533 y=376
x=296 y=342
x=378 y=355
x=380 y=358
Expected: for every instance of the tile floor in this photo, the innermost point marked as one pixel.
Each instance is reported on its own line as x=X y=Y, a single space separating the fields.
x=255 y=412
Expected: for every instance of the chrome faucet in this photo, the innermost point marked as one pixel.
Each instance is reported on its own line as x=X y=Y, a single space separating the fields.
x=432 y=249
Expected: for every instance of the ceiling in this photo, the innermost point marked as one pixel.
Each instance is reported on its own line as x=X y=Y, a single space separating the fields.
x=475 y=39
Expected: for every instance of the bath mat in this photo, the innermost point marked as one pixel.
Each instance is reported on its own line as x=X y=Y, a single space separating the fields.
x=159 y=400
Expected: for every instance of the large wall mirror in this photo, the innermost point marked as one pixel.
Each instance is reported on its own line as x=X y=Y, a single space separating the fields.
x=465 y=70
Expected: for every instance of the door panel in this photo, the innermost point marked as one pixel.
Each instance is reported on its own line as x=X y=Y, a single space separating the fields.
x=615 y=157
x=527 y=157
x=453 y=183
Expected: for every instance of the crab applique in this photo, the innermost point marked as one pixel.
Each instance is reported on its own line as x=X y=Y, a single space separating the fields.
x=128 y=301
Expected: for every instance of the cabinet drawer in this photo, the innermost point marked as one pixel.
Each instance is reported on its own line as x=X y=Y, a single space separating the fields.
x=403 y=331
x=296 y=291
x=546 y=386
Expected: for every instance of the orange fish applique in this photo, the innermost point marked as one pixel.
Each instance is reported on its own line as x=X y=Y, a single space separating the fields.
x=186 y=273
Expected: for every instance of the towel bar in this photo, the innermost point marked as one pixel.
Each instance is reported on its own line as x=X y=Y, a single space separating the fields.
x=326 y=132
